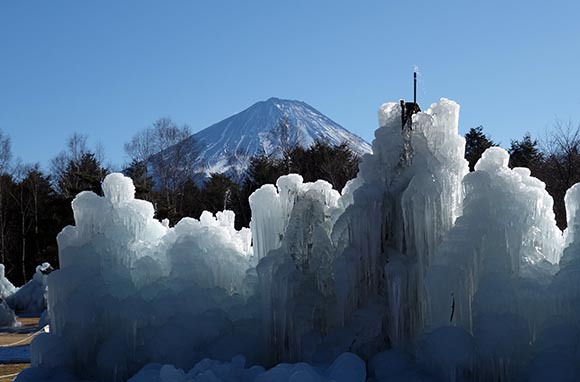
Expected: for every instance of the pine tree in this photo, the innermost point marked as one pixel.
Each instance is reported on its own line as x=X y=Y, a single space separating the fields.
x=476 y=142
x=84 y=174
x=526 y=153
x=142 y=180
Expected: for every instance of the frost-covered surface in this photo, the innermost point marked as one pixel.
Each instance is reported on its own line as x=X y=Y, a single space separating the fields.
x=31 y=297
x=425 y=272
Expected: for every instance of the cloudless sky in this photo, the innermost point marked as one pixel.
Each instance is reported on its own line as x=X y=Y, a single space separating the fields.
x=110 y=68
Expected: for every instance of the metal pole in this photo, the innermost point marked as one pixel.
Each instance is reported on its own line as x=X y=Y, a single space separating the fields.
x=402 y=103
x=415 y=88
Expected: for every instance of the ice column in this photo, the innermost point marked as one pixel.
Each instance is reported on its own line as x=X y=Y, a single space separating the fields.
x=409 y=195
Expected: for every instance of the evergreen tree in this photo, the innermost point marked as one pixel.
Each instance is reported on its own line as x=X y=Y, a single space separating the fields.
x=9 y=226
x=262 y=170
x=142 y=180
x=217 y=193
x=77 y=168
x=220 y=193
x=526 y=153
x=335 y=164
x=476 y=142
x=189 y=201
x=84 y=174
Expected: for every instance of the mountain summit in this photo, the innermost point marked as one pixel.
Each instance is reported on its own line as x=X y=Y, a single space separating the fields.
x=267 y=127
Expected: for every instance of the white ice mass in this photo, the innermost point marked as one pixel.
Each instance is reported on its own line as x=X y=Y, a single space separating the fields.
x=7 y=316
x=31 y=297
x=416 y=271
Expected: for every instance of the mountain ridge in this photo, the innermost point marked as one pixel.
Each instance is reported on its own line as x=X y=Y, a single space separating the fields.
x=228 y=144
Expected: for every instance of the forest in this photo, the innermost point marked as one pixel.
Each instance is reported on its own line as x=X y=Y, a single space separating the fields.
x=35 y=203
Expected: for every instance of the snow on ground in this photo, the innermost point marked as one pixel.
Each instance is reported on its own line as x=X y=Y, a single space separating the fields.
x=416 y=271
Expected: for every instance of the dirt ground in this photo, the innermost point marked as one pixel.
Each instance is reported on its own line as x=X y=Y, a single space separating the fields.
x=10 y=338
x=28 y=321
x=11 y=369
x=29 y=325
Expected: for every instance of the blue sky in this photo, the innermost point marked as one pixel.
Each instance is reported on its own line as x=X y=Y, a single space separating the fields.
x=110 y=68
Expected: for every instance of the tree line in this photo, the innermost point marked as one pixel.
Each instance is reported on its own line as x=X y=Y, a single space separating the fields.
x=35 y=205
x=554 y=159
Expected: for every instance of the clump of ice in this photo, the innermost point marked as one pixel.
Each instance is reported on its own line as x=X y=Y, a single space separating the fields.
x=296 y=265
x=31 y=297
x=7 y=316
x=6 y=287
x=131 y=290
x=448 y=353
x=506 y=236
x=408 y=196
x=346 y=368
x=427 y=272
x=556 y=349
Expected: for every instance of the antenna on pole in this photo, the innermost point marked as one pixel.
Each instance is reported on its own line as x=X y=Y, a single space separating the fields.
x=415 y=87
x=410 y=108
x=403 y=113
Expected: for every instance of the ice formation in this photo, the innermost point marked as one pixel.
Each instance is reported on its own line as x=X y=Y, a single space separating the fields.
x=295 y=276
x=425 y=272
x=6 y=287
x=506 y=235
x=346 y=368
x=131 y=290
x=7 y=316
x=31 y=297
x=409 y=196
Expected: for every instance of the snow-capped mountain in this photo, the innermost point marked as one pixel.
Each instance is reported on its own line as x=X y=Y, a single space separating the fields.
x=228 y=145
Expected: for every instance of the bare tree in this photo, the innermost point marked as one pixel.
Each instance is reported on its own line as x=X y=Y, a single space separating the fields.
x=169 y=152
x=76 y=148
x=5 y=164
x=285 y=136
x=27 y=205
x=561 y=148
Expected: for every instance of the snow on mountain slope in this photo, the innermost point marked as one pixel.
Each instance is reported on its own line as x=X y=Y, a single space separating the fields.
x=228 y=145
